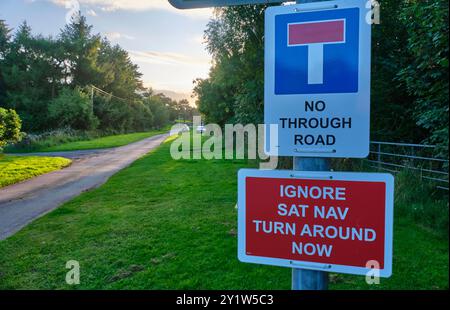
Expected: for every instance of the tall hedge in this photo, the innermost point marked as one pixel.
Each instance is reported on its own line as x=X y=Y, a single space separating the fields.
x=426 y=75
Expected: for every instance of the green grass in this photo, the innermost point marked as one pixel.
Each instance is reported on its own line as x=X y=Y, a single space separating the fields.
x=15 y=169
x=101 y=143
x=164 y=224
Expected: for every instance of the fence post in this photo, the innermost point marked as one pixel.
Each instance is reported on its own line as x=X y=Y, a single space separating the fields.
x=379 y=155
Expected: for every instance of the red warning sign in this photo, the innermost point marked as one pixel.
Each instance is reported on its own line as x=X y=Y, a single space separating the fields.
x=341 y=222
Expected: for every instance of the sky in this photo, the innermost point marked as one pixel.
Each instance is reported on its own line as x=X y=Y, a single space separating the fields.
x=166 y=43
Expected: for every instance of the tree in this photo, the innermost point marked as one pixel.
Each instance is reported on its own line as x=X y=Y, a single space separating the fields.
x=215 y=100
x=142 y=116
x=409 y=70
x=425 y=76
x=10 y=125
x=81 y=52
x=158 y=105
x=5 y=37
x=25 y=74
x=183 y=109
x=391 y=108
x=72 y=108
x=118 y=75
x=36 y=74
x=234 y=90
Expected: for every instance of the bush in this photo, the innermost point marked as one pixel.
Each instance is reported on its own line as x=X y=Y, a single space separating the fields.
x=72 y=108
x=142 y=116
x=159 y=110
x=113 y=114
x=33 y=142
x=10 y=125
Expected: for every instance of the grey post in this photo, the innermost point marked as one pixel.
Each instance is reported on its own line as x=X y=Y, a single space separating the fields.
x=303 y=279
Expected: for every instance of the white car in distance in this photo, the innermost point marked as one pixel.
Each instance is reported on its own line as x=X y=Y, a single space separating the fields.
x=201 y=129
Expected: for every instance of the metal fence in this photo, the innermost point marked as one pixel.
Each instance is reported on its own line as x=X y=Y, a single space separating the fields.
x=394 y=157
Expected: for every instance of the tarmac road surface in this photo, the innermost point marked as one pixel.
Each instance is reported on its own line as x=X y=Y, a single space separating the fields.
x=23 y=202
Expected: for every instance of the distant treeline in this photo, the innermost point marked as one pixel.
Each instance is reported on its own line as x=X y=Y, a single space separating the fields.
x=410 y=94
x=48 y=81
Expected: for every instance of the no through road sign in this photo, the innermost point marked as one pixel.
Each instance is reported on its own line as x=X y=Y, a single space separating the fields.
x=317 y=79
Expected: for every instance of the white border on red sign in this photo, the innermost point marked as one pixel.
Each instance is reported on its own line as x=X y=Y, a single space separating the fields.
x=388 y=179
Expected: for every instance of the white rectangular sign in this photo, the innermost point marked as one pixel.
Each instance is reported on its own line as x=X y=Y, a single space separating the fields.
x=317 y=79
x=327 y=221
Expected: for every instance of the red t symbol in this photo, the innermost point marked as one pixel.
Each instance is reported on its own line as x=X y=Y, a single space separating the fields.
x=314 y=35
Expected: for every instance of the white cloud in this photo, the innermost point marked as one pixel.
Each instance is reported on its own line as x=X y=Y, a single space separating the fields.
x=168 y=70
x=137 y=5
x=199 y=39
x=91 y=12
x=168 y=58
x=114 y=36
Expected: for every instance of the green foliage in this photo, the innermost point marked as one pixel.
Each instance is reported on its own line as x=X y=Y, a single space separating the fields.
x=5 y=37
x=118 y=74
x=28 y=73
x=143 y=118
x=185 y=111
x=214 y=100
x=10 y=125
x=35 y=142
x=409 y=70
x=158 y=104
x=234 y=90
x=72 y=108
x=48 y=82
x=67 y=139
x=391 y=108
x=426 y=74
x=82 y=50
x=102 y=142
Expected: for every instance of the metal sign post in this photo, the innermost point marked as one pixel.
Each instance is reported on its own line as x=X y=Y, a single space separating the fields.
x=303 y=279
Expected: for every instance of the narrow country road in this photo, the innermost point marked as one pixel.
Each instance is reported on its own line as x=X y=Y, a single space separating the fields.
x=23 y=202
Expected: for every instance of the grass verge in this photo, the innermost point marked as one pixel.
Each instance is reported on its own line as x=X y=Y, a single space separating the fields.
x=60 y=141
x=102 y=143
x=14 y=169
x=164 y=224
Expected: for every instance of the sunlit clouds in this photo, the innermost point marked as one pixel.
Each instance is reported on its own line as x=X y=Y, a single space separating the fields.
x=135 y=5
x=166 y=43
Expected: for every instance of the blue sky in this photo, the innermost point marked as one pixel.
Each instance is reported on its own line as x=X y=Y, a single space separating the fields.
x=166 y=43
